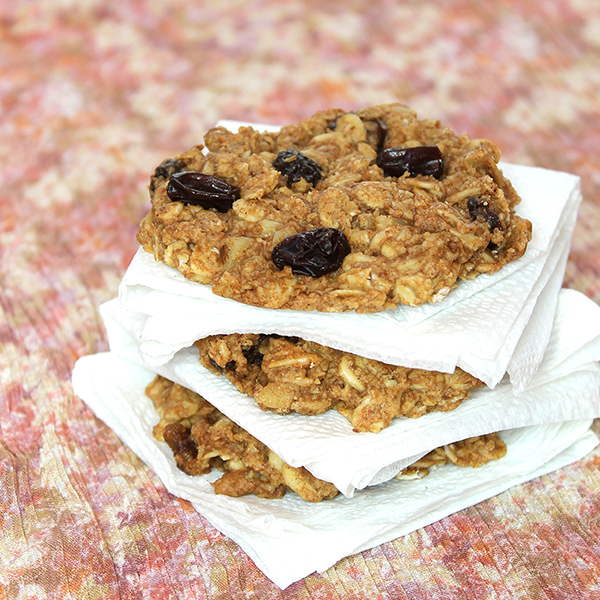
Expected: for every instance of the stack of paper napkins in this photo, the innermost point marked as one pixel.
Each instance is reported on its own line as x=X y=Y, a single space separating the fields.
x=534 y=345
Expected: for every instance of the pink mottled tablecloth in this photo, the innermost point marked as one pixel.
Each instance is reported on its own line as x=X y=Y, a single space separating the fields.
x=93 y=95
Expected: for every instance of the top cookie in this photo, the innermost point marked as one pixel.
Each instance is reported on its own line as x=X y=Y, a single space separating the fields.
x=344 y=211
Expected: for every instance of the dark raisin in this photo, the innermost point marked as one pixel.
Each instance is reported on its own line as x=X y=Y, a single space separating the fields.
x=376 y=133
x=315 y=252
x=419 y=160
x=231 y=365
x=252 y=353
x=482 y=208
x=165 y=170
x=296 y=166
x=208 y=191
x=180 y=441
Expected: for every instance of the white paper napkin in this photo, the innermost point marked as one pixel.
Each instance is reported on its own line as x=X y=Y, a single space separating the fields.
x=489 y=326
x=290 y=538
x=565 y=387
x=482 y=326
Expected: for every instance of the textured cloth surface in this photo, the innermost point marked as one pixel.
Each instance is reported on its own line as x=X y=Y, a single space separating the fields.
x=93 y=96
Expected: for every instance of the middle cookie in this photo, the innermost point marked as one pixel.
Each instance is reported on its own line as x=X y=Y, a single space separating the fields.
x=289 y=374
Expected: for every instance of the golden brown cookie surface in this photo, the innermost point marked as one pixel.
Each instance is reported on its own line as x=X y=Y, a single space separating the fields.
x=344 y=211
x=286 y=375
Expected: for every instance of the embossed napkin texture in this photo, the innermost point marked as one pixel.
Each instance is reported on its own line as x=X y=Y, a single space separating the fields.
x=488 y=326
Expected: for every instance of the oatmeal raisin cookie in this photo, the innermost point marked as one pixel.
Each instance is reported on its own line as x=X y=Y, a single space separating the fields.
x=286 y=374
x=343 y=211
x=202 y=438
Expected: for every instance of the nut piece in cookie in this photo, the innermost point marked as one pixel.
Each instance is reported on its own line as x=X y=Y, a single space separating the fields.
x=414 y=207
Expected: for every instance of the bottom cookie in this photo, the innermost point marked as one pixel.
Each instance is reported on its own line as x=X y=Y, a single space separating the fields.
x=203 y=439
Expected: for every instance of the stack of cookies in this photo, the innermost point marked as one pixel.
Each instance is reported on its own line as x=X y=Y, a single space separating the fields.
x=357 y=298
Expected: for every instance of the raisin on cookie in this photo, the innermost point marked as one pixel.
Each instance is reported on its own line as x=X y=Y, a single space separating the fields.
x=344 y=211
x=202 y=439
x=285 y=374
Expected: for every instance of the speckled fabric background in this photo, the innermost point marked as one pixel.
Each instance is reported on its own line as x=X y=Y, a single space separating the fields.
x=93 y=95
